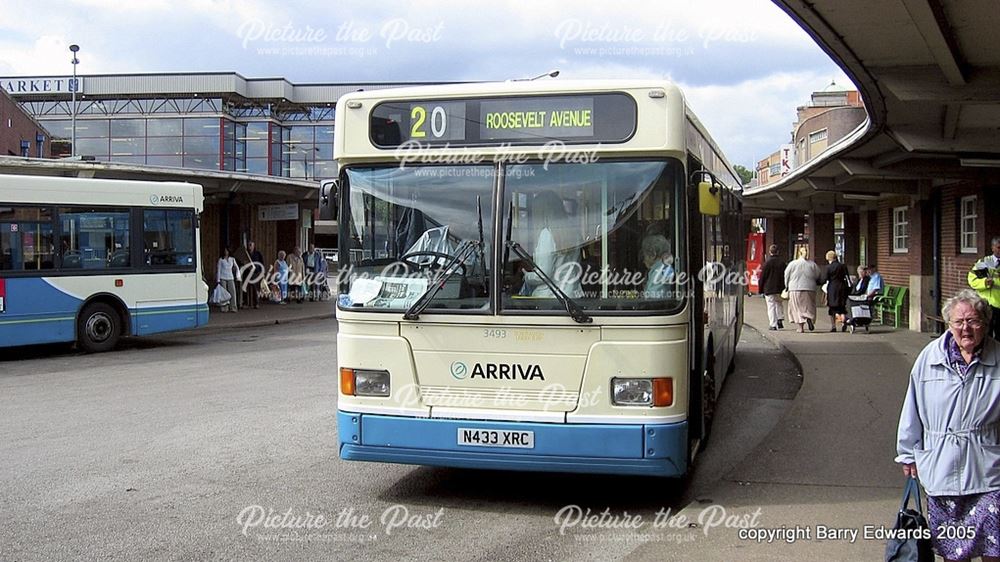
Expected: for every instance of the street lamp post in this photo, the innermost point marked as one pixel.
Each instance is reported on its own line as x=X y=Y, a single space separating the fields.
x=72 y=88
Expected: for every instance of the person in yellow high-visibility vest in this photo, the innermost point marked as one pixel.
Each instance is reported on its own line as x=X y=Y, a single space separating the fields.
x=985 y=279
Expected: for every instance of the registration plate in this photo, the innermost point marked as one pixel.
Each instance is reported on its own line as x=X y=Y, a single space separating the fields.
x=496 y=438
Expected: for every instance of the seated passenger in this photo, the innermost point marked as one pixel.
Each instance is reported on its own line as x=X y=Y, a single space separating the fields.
x=555 y=249
x=659 y=260
x=861 y=285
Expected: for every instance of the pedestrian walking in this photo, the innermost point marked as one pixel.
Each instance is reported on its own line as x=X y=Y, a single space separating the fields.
x=256 y=276
x=314 y=264
x=280 y=269
x=772 y=285
x=985 y=279
x=837 y=285
x=296 y=276
x=802 y=277
x=949 y=431
x=227 y=273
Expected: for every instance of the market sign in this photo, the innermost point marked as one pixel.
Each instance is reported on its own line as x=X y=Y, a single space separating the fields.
x=40 y=85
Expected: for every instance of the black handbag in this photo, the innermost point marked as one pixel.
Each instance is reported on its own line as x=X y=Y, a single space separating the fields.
x=911 y=537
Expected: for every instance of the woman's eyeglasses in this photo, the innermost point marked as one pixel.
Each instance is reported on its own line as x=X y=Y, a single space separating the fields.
x=973 y=323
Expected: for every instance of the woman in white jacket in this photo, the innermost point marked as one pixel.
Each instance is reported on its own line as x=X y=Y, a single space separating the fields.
x=802 y=276
x=227 y=274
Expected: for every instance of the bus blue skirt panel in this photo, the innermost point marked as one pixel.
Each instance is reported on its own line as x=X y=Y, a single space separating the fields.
x=34 y=311
x=652 y=450
x=159 y=319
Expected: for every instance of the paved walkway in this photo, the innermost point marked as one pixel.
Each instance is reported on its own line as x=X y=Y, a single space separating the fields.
x=270 y=313
x=829 y=460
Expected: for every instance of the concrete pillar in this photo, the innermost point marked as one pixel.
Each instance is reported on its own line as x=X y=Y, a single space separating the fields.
x=991 y=219
x=852 y=241
x=820 y=236
x=778 y=233
x=871 y=233
x=921 y=262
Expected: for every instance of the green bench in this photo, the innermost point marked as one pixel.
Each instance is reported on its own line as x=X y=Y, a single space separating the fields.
x=891 y=301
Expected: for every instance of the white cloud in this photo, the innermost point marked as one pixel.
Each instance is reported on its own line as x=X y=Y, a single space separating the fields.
x=751 y=119
x=743 y=64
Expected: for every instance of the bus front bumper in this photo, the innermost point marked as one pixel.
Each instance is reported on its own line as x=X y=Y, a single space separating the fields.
x=651 y=450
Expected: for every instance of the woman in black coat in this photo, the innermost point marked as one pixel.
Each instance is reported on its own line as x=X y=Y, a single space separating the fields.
x=837 y=286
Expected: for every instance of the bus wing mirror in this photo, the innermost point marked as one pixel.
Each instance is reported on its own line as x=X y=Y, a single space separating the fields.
x=709 y=198
x=329 y=192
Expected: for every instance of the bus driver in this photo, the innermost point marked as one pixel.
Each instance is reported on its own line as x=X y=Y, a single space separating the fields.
x=555 y=247
x=656 y=256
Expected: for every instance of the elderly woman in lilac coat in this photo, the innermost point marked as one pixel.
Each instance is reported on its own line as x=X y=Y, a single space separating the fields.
x=949 y=432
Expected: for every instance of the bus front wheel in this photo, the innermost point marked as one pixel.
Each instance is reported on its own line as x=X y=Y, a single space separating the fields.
x=98 y=328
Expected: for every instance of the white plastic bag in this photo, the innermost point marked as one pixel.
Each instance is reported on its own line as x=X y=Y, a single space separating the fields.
x=220 y=296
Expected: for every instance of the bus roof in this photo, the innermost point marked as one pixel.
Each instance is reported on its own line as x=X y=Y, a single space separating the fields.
x=53 y=190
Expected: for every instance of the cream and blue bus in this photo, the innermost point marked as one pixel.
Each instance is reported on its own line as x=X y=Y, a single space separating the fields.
x=91 y=260
x=534 y=275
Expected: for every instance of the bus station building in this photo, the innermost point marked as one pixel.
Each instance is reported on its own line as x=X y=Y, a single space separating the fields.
x=260 y=146
x=915 y=188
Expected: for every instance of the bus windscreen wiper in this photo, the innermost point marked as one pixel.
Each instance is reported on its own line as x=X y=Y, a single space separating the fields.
x=569 y=304
x=465 y=250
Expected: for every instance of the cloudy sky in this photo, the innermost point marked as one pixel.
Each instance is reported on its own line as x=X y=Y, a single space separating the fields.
x=743 y=64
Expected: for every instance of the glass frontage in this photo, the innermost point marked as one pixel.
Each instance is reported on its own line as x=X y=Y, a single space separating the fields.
x=605 y=235
x=202 y=133
x=408 y=225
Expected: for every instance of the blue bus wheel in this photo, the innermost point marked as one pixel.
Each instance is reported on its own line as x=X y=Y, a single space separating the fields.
x=98 y=328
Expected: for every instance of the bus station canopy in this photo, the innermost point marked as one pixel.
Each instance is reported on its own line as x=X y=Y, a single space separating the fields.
x=929 y=73
x=215 y=183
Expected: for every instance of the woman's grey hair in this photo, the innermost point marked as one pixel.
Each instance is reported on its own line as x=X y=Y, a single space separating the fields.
x=971 y=298
x=861 y=270
x=995 y=241
x=655 y=246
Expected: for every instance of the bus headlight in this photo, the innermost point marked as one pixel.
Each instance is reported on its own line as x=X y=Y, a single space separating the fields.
x=362 y=382
x=642 y=392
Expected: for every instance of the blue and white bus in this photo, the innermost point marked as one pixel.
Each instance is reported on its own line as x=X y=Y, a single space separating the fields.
x=91 y=260
x=541 y=275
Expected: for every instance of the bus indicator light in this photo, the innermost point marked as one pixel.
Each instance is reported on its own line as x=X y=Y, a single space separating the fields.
x=347 y=387
x=119 y=282
x=663 y=392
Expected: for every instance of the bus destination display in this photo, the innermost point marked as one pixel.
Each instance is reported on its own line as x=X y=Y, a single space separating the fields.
x=591 y=118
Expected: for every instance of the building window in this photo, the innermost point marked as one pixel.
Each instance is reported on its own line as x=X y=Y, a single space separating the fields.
x=900 y=230
x=817 y=143
x=967 y=224
x=25 y=149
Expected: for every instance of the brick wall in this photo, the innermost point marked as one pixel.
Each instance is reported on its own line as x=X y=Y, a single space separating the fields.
x=17 y=126
x=955 y=264
x=894 y=267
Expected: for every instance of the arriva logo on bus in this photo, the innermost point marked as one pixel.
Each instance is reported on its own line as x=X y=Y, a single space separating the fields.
x=157 y=199
x=504 y=371
x=497 y=371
